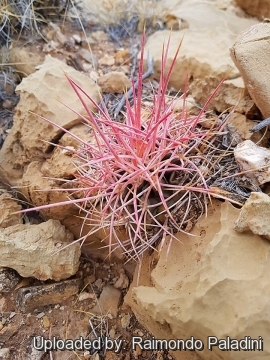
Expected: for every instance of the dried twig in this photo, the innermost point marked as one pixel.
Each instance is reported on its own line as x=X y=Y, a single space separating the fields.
x=261 y=125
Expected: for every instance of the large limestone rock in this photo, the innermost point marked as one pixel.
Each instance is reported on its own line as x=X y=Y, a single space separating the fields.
x=42 y=93
x=259 y=8
x=215 y=283
x=250 y=54
x=255 y=215
x=42 y=251
x=204 y=50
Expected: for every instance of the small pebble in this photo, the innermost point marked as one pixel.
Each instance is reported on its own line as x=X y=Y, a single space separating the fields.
x=11 y=315
x=85 y=295
x=8 y=104
x=112 y=333
x=46 y=321
x=77 y=38
x=125 y=321
x=40 y=315
x=99 y=284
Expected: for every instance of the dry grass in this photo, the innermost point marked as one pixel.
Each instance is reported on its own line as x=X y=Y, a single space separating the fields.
x=18 y=15
x=112 y=12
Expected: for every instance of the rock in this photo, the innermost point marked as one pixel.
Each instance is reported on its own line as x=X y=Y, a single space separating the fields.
x=122 y=282
x=38 y=184
x=25 y=58
x=8 y=331
x=107 y=60
x=239 y=129
x=258 y=8
x=250 y=54
x=255 y=215
x=215 y=282
x=99 y=36
x=50 y=47
x=61 y=163
x=232 y=94
x=122 y=56
x=77 y=38
x=4 y=353
x=33 y=297
x=8 y=206
x=125 y=321
x=110 y=356
x=187 y=104
x=40 y=190
x=8 y=279
x=42 y=93
x=86 y=296
x=8 y=104
x=86 y=55
x=56 y=34
x=35 y=354
x=108 y=301
x=254 y=160
x=114 y=82
x=40 y=251
x=212 y=56
x=3 y=307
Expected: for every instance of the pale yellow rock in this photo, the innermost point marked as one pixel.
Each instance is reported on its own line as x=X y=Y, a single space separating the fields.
x=62 y=163
x=255 y=215
x=187 y=105
x=231 y=94
x=25 y=59
x=43 y=93
x=239 y=129
x=40 y=190
x=250 y=54
x=114 y=82
x=107 y=60
x=259 y=8
x=40 y=250
x=205 y=44
x=214 y=283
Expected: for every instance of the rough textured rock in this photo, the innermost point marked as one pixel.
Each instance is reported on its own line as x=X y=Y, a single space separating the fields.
x=8 y=206
x=199 y=61
x=214 y=283
x=42 y=93
x=4 y=353
x=122 y=282
x=259 y=8
x=114 y=82
x=250 y=54
x=39 y=250
x=39 y=191
x=25 y=59
x=255 y=215
x=61 y=163
x=239 y=129
x=255 y=160
x=8 y=279
x=108 y=301
x=30 y=298
x=187 y=104
x=232 y=94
